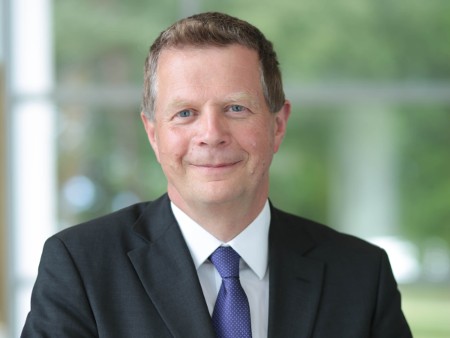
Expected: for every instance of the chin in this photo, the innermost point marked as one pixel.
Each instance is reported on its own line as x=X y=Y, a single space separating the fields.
x=215 y=195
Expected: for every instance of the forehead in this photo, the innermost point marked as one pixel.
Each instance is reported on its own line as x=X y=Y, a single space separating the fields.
x=218 y=55
x=233 y=68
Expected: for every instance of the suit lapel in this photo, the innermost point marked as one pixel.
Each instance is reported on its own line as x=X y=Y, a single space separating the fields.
x=295 y=281
x=167 y=272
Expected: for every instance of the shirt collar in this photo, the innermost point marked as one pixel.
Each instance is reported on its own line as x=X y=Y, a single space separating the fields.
x=251 y=244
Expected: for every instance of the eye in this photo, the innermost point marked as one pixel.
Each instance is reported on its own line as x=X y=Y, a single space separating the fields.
x=184 y=113
x=237 y=108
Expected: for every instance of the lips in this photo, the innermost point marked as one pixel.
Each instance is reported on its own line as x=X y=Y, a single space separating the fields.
x=208 y=160
x=216 y=165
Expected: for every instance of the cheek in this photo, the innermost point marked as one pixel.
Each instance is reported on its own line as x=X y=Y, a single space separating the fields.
x=172 y=148
x=260 y=148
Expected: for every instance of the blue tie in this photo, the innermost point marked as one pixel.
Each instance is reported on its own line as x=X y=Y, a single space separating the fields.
x=231 y=315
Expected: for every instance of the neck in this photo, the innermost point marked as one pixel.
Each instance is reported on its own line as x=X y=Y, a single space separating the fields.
x=223 y=220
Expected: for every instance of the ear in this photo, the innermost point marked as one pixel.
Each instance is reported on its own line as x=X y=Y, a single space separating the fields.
x=150 y=129
x=281 y=118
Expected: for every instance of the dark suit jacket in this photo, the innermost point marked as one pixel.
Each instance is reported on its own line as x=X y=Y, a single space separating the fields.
x=130 y=275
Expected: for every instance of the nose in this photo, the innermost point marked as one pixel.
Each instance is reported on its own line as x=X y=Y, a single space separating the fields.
x=213 y=128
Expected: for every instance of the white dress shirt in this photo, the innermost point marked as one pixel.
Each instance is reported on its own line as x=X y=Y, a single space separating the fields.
x=252 y=245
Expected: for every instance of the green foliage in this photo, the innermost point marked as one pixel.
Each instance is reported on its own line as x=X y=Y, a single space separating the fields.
x=300 y=170
x=95 y=39
x=425 y=172
x=354 y=39
x=316 y=39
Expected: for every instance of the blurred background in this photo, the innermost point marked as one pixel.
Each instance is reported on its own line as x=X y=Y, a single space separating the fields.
x=367 y=149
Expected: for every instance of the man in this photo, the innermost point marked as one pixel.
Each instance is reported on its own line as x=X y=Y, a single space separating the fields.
x=215 y=113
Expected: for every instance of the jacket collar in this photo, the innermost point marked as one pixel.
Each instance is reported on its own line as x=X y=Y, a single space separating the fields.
x=295 y=281
x=168 y=274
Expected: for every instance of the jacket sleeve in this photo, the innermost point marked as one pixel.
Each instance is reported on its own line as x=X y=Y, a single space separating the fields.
x=388 y=321
x=59 y=304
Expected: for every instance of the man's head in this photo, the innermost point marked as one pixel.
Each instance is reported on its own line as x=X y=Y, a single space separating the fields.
x=214 y=30
x=214 y=128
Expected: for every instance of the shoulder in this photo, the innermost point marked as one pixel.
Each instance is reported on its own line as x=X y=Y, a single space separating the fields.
x=344 y=256
x=116 y=228
x=354 y=276
x=118 y=221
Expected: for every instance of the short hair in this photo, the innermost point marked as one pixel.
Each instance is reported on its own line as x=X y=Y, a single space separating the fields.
x=216 y=30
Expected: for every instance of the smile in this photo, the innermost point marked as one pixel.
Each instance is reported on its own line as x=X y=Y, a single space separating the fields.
x=215 y=167
x=221 y=165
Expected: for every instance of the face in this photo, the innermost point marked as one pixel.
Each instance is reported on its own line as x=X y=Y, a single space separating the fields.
x=213 y=133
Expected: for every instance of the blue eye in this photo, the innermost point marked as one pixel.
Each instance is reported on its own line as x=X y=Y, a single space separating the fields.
x=184 y=113
x=237 y=108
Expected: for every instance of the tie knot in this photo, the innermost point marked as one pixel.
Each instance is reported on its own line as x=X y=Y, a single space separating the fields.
x=226 y=261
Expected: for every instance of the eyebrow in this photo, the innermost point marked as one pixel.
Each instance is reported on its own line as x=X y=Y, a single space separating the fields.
x=243 y=96
x=237 y=97
x=178 y=103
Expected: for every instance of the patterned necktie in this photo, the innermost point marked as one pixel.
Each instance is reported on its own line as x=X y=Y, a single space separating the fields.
x=231 y=315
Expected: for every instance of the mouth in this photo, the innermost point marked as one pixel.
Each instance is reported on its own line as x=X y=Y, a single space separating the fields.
x=215 y=167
